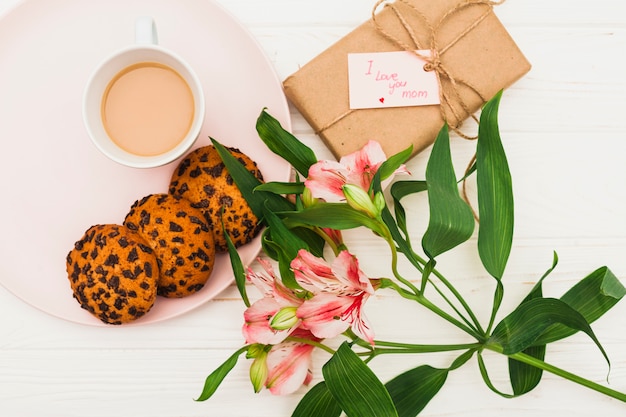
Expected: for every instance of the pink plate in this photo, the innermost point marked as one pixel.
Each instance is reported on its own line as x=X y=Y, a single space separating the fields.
x=56 y=184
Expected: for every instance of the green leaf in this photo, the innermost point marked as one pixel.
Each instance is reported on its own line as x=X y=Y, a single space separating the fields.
x=485 y=375
x=237 y=266
x=399 y=190
x=524 y=378
x=495 y=193
x=355 y=387
x=317 y=402
x=338 y=216
x=537 y=290
x=270 y=247
x=462 y=359
x=214 y=380
x=288 y=248
x=314 y=241
x=287 y=275
x=246 y=182
x=395 y=225
x=498 y=295
x=412 y=390
x=521 y=329
x=284 y=144
x=290 y=243
x=404 y=245
x=281 y=187
x=592 y=296
x=468 y=172
x=394 y=162
x=451 y=219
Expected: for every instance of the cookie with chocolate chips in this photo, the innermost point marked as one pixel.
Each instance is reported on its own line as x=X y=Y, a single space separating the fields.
x=180 y=238
x=202 y=178
x=113 y=273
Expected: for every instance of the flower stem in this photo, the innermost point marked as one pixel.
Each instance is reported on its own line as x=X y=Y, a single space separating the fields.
x=475 y=325
x=460 y=298
x=394 y=260
x=432 y=307
x=527 y=359
x=417 y=348
x=310 y=342
x=416 y=259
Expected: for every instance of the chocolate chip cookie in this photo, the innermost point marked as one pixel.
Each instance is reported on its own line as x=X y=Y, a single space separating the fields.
x=180 y=238
x=202 y=178
x=113 y=273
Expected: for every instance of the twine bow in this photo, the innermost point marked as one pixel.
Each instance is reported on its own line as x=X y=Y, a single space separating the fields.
x=447 y=96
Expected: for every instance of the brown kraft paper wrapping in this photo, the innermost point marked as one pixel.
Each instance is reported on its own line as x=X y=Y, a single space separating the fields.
x=473 y=54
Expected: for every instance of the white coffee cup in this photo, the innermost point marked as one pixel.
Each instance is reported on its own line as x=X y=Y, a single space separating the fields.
x=136 y=108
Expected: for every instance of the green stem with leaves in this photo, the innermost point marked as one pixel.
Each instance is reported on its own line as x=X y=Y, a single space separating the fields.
x=432 y=307
x=394 y=264
x=408 y=348
x=459 y=297
x=394 y=259
x=537 y=363
x=415 y=258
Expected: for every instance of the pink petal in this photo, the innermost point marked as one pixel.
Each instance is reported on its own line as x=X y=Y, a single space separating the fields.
x=311 y=264
x=256 y=328
x=372 y=153
x=361 y=326
x=290 y=367
x=325 y=180
x=346 y=268
x=364 y=163
x=369 y=155
x=286 y=297
x=268 y=268
x=402 y=169
x=323 y=313
x=314 y=274
x=270 y=286
x=263 y=283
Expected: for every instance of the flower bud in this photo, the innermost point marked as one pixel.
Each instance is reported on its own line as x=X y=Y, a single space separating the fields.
x=360 y=200
x=284 y=319
x=259 y=372
x=255 y=350
x=307 y=198
x=379 y=202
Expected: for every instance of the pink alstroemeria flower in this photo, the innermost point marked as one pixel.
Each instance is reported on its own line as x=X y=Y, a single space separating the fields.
x=258 y=316
x=339 y=292
x=327 y=178
x=290 y=364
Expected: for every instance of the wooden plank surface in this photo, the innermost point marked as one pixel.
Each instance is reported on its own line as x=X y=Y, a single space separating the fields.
x=565 y=133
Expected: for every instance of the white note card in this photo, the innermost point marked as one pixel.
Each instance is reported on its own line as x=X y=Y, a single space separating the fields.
x=391 y=79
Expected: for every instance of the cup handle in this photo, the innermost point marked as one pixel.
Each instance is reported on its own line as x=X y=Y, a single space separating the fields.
x=145 y=31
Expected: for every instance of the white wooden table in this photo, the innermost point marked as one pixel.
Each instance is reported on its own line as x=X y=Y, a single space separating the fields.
x=564 y=129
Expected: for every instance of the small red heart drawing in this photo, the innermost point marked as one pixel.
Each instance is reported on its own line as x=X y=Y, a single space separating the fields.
x=382 y=99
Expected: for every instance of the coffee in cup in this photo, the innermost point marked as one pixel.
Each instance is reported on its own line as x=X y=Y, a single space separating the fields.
x=143 y=106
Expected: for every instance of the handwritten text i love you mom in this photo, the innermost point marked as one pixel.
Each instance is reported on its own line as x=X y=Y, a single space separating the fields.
x=390 y=79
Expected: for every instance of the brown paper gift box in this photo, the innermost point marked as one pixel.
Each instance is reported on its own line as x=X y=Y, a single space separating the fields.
x=479 y=56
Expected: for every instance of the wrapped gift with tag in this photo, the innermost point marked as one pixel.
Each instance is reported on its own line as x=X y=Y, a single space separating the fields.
x=397 y=78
